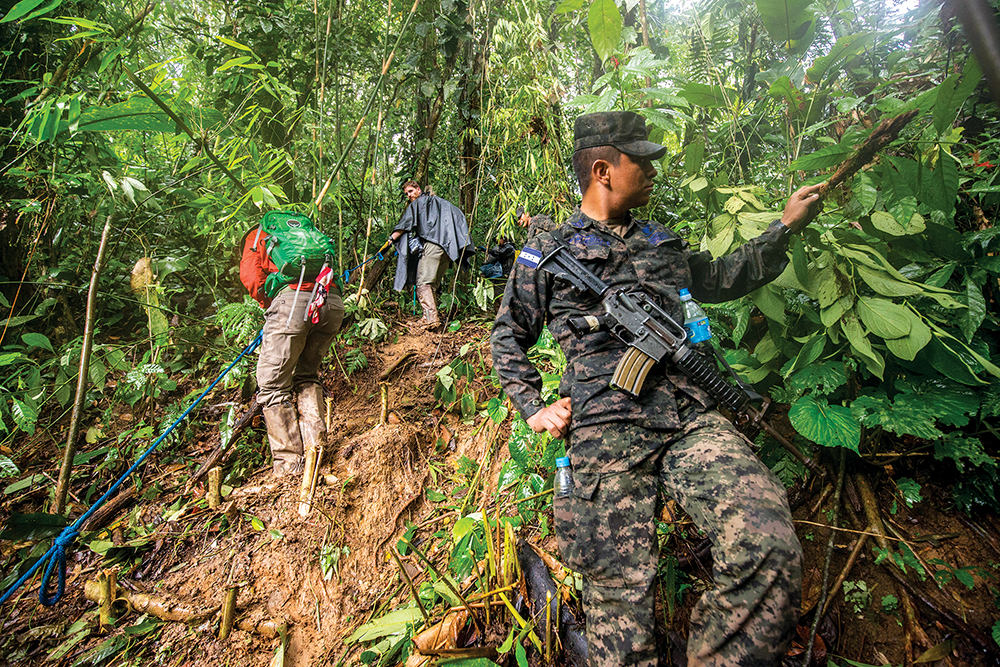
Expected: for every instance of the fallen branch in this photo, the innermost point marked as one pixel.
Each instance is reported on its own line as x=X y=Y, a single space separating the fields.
x=219 y=456
x=883 y=135
x=384 y=375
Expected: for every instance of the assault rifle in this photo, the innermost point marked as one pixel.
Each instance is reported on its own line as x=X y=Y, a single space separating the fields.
x=653 y=336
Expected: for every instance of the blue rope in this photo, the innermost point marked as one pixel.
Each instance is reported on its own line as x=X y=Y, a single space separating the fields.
x=56 y=555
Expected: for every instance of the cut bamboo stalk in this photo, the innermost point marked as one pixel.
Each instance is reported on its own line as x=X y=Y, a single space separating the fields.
x=107 y=583
x=228 y=612
x=310 y=473
x=214 y=488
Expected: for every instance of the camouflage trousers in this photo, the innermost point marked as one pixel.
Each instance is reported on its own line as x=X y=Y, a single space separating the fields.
x=607 y=532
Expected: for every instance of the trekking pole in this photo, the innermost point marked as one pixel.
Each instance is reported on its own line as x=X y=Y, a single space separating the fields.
x=295 y=300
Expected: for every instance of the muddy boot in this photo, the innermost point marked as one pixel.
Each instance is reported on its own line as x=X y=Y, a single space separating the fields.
x=312 y=417
x=283 y=435
x=425 y=295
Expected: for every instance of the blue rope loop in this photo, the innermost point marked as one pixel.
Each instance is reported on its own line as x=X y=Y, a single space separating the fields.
x=56 y=555
x=58 y=559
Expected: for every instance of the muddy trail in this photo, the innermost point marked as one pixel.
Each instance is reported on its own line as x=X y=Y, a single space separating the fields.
x=406 y=484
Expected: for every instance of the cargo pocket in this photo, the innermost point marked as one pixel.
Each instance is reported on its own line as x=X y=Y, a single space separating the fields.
x=605 y=528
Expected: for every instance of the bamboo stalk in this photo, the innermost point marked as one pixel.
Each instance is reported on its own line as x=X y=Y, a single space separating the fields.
x=66 y=470
x=214 y=494
x=228 y=612
x=107 y=583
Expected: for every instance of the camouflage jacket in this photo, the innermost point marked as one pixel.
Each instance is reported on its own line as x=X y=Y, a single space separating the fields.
x=652 y=258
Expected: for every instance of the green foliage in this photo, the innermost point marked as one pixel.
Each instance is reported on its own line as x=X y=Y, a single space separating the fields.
x=858 y=595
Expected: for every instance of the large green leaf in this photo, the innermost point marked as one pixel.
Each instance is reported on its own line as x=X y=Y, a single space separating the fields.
x=809 y=353
x=861 y=345
x=20 y=9
x=940 y=184
x=846 y=47
x=783 y=89
x=883 y=318
x=952 y=93
x=976 y=313
x=392 y=623
x=904 y=417
x=889 y=225
x=136 y=113
x=605 y=24
x=820 y=378
x=909 y=345
x=825 y=424
x=787 y=21
x=829 y=315
x=823 y=158
x=708 y=96
x=950 y=363
x=770 y=303
x=864 y=192
x=884 y=284
x=951 y=403
x=25 y=415
x=21 y=527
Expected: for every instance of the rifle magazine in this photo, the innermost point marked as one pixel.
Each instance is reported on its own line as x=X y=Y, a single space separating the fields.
x=631 y=372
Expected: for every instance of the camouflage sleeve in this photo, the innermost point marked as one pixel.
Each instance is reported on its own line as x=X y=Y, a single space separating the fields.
x=750 y=266
x=518 y=325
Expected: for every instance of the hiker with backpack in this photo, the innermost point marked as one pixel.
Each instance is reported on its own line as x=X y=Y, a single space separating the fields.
x=285 y=267
x=431 y=235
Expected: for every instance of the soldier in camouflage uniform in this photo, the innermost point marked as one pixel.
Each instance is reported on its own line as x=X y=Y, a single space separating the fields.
x=621 y=448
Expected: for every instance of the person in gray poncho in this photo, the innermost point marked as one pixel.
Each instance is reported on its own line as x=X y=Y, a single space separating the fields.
x=431 y=235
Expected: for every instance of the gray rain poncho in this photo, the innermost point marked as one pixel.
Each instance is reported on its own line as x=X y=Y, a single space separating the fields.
x=431 y=219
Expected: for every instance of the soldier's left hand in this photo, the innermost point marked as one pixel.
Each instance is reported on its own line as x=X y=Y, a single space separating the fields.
x=804 y=205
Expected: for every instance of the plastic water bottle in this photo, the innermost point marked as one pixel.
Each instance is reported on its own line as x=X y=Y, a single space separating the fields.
x=695 y=319
x=563 y=483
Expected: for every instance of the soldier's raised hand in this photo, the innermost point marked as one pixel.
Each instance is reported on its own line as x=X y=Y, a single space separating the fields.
x=804 y=205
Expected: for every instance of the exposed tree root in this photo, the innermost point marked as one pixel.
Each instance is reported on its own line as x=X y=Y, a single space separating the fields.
x=180 y=612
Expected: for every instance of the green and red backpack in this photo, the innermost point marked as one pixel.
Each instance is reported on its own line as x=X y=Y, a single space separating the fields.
x=295 y=246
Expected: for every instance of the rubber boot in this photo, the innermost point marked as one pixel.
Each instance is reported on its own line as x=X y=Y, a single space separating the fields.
x=283 y=435
x=312 y=417
x=425 y=295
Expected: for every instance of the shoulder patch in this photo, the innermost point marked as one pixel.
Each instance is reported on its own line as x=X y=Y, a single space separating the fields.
x=529 y=257
x=588 y=240
x=656 y=234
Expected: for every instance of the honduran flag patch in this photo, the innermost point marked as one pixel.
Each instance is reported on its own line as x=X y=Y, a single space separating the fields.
x=529 y=257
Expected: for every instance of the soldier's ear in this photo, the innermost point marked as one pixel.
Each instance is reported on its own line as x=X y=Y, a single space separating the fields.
x=600 y=172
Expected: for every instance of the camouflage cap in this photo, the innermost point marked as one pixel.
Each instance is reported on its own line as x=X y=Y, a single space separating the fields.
x=625 y=130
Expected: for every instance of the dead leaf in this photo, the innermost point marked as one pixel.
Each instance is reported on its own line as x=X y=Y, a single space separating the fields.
x=939 y=652
x=443 y=634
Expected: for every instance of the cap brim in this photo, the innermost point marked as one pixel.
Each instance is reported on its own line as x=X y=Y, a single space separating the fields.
x=642 y=149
